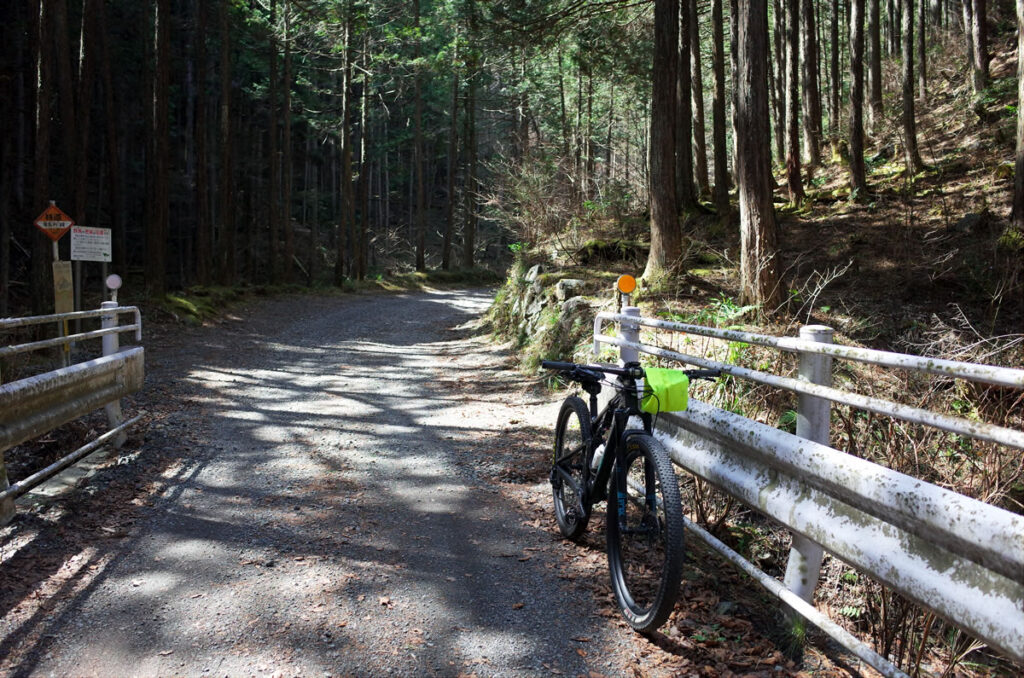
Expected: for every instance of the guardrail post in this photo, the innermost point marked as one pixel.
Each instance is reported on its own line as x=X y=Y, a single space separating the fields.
x=630 y=332
x=111 y=345
x=812 y=423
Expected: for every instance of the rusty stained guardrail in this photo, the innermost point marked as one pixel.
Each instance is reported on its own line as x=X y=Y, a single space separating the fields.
x=35 y=405
x=957 y=556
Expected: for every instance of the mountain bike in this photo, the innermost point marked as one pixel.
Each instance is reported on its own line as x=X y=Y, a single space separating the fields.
x=603 y=456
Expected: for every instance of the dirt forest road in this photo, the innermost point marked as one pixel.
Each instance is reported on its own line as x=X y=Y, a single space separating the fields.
x=331 y=508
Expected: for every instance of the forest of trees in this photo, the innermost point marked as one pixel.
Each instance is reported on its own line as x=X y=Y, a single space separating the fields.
x=314 y=141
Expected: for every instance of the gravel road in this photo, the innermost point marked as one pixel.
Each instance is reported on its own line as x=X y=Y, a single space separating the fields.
x=333 y=511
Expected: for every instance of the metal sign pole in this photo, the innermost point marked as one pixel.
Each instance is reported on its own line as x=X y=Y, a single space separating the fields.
x=77 y=279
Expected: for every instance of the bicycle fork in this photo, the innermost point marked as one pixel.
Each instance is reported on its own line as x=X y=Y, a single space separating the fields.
x=648 y=524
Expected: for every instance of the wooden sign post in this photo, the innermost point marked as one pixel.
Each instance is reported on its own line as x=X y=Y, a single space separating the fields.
x=54 y=223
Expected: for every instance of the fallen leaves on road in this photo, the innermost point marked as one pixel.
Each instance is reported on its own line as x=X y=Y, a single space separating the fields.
x=699 y=639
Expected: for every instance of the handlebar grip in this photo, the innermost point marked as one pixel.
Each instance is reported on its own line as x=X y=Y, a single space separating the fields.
x=703 y=374
x=556 y=365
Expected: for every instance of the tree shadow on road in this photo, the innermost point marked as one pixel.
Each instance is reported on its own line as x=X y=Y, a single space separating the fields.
x=368 y=509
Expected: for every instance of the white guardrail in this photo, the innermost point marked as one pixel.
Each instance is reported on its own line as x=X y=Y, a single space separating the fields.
x=959 y=557
x=35 y=405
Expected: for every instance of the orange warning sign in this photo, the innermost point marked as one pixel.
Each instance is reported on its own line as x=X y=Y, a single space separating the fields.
x=53 y=222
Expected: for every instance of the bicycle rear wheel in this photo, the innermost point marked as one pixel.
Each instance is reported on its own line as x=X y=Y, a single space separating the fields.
x=645 y=534
x=569 y=467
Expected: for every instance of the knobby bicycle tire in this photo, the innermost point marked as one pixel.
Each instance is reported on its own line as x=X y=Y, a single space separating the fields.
x=645 y=535
x=572 y=443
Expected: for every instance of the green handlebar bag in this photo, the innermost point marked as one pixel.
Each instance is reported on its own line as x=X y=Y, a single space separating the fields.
x=665 y=390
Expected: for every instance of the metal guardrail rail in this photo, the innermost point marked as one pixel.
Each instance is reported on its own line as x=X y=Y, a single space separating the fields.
x=14 y=323
x=35 y=405
x=959 y=557
x=30 y=407
x=990 y=374
x=1002 y=376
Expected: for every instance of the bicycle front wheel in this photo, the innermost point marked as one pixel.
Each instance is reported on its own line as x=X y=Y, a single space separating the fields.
x=645 y=534
x=569 y=467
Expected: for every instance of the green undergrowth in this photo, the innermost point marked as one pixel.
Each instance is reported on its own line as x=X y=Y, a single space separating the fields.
x=551 y=336
x=199 y=304
x=434 y=278
x=500 y=317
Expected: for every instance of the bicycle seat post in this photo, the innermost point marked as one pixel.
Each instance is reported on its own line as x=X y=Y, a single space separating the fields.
x=592 y=389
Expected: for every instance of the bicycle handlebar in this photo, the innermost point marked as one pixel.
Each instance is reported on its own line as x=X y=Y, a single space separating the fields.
x=555 y=365
x=632 y=371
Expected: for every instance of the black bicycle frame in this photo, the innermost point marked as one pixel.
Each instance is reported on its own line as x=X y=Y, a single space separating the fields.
x=612 y=419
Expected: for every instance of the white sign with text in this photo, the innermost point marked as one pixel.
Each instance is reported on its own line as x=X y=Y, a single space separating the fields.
x=90 y=244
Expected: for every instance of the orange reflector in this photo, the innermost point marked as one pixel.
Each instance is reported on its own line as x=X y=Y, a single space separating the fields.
x=626 y=284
